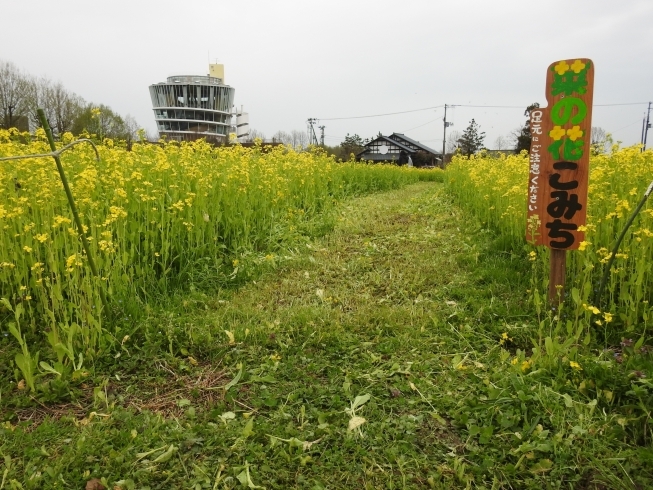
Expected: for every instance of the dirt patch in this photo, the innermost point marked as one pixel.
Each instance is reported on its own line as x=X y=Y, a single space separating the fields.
x=169 y=398
x=439 y=431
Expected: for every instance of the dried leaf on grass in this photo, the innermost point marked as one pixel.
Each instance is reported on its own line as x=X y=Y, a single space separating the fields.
x=94 y=484
x=355 y=422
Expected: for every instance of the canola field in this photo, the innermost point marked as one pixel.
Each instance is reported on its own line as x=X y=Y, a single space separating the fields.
x=157 y=218
x=495 y=190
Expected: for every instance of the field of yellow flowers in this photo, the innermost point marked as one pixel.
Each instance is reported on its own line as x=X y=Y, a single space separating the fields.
x=495 y=190
x=156 y=218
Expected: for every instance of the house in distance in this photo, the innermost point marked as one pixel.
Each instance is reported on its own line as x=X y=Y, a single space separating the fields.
x=400 y=149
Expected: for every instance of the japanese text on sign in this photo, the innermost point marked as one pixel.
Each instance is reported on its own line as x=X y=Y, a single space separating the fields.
x=559 y=156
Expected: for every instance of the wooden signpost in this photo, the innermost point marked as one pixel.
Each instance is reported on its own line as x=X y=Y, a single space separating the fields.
x=559 y=164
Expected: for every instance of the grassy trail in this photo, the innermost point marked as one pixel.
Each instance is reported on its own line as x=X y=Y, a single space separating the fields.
x=344 y=367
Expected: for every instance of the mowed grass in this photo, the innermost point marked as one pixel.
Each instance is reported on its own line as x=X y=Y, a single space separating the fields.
x=368 y=358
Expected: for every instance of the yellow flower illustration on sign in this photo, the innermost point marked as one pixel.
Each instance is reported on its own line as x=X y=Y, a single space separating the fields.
x=557 y=132
x=577 y=66
x=561 y=67
x=574 y=133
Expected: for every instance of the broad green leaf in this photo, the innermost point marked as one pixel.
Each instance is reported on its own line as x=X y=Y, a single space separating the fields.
x=162 y=458
x=568 y=401
x=263 y=379
x=542 y=466
x=6 y=303
x=16 y=333
x=47 y=367
x=248 y=430
x=147 y=453
x=359 y=401
x=246 y=480
x=227 y=416
x=234 y=381
x=575 y=294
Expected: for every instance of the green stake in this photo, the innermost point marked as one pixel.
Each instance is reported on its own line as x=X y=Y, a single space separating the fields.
x=73 y=207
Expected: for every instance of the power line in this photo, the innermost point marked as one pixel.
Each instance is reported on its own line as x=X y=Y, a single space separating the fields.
x=466 y=105
x=521 y=106
x=625 y=127
x=379 y=115
x=490 y=106
x=625 y=103
x=406 y=130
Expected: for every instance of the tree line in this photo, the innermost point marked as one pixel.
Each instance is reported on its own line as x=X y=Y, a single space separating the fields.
x=471 y=141
x=468 y=142
x=21 y=94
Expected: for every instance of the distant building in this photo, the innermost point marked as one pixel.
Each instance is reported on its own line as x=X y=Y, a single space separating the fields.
x=242 y=124
x=400 y=149
x=189 y=107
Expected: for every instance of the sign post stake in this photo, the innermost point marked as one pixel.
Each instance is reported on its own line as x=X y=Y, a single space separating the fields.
x=559 y=166
x=558 y=267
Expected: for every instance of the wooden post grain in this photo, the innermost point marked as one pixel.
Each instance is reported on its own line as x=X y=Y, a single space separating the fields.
x=557 y=276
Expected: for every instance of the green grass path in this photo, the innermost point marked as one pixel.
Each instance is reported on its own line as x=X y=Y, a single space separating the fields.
x=347 y=367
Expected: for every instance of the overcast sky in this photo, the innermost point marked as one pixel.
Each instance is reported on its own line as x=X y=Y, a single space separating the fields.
x=290 y=60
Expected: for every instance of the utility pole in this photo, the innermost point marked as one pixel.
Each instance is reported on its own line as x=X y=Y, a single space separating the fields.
x=444 y=136
x=647 y=125
x=641 y=139
x=322 y=134
x=312 y=138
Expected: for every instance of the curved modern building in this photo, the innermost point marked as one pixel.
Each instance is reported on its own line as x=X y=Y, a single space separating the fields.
x=189 y=107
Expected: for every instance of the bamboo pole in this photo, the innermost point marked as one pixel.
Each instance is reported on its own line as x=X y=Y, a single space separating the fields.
x=73 y=207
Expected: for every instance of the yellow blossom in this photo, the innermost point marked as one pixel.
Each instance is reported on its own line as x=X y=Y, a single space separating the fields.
x=557 y=132
x=27 y=249
x=60 y=220
x=577 y=66
x=574 y=133
x=575 y=365
x=561 y=68
x=73 y=261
